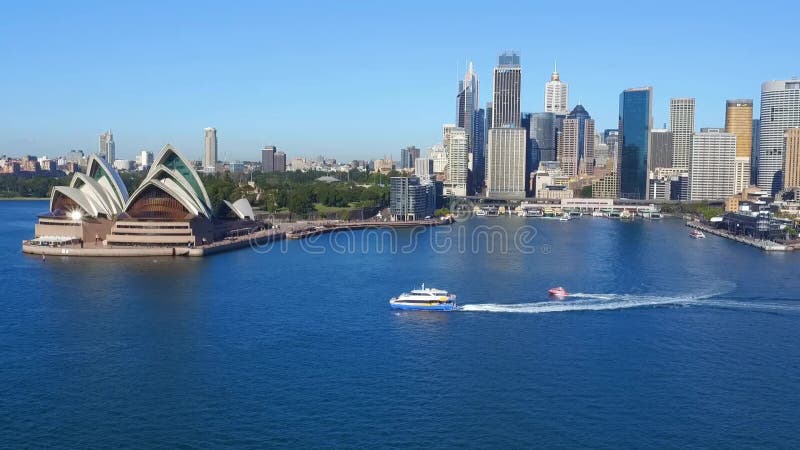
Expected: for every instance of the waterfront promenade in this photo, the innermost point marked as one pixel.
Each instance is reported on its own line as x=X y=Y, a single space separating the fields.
x=294 y=230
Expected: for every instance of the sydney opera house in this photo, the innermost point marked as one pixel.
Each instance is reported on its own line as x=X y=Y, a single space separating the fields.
x=170 y=208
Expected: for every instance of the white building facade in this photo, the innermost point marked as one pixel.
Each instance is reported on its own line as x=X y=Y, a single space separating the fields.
x=681 y=123
x=505 y=163
x=712 y=165
x=780 y=110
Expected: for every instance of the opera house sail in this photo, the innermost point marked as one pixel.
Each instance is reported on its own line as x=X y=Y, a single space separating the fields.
x=169 y=208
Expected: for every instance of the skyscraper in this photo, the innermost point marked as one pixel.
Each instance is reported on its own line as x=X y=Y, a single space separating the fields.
x=713 y=163
x=479 y=150
x=507 y=87
x=635 y=123
x=739 y=122
x=210 y=150
x=268 y=158
x=556 y=95
x=542 y=134
x=791 y=164
x=505 y=163
x=756 y=145
x=456 y=173
x=106 y=148
x=780 y=110
x=568 y=145
x=467 y=107
x=407 y=157
x=661 y=155
x=585 y=138
x=681 y=123
x=280 y=162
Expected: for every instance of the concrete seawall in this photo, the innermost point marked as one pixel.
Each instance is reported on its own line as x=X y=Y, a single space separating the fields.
x=293 y=231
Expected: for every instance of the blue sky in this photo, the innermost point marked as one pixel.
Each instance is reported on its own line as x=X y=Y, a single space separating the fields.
x=356 y=79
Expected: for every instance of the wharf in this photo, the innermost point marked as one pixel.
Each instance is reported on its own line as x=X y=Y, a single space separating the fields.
x=301 y=233
x=768 y=246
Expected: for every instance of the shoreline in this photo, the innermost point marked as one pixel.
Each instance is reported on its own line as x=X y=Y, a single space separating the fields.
x=297 y=230
x=18 y=199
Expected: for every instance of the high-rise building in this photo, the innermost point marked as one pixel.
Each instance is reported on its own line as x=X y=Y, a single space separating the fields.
x=210 y=150
x=611 y=138
x=479 y=150
x=407 y=157
x=681 y=123
x=585 y=139
x=739 y=122
x=505 y=163
x=542 y=134
x=568 y=145
x=268 y=158
x=423 y=168
x=556 y=95
x=661 y=155
x=755 y=147
x=780 y=110
x=106 y=148
x=145 y=159
x=280 y=162
x=456 y=174
x=791 y=164
x=467 y=117
x=712 y=165
x=507 y=88
x=438 y=154
x=635 y=123
x=411 y=198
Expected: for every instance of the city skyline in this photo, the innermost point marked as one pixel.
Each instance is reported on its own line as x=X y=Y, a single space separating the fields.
x=162 y=93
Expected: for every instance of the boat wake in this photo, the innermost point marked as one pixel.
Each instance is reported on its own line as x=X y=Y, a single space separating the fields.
x=606 y=302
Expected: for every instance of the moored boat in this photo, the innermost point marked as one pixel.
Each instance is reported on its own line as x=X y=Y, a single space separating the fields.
x=697 y=234
x=424 y=299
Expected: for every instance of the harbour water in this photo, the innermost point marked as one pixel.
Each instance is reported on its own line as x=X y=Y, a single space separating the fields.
x=669 y=341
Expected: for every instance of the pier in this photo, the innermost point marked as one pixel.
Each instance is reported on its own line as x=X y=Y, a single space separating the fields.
x=301 y=233
x=768 y=246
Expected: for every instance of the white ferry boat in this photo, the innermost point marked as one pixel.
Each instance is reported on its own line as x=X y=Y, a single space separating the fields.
x=429 y=299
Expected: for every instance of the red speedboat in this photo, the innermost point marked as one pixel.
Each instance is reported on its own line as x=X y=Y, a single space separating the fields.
x=558 y=292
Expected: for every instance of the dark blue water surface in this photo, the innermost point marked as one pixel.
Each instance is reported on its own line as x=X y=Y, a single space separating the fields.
x=671 y=342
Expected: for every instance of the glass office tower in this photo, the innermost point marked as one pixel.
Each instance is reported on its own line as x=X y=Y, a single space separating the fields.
x=635 y=124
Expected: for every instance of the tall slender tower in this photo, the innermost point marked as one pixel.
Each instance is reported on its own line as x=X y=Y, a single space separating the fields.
x=635 y=124
x=454 y=140
x=468 y=105
x=739 y=122
x=106 y=147
x=210 y=150
x=556 y=95
x=507 y=92
x=681 y=123
x=780 y=110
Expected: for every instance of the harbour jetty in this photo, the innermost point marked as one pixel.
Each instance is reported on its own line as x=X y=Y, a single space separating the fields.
x=329 y=227
x=768 y=246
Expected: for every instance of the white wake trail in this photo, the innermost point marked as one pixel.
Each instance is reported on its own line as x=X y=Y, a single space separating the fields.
x=588 y=302
x=606 y=302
